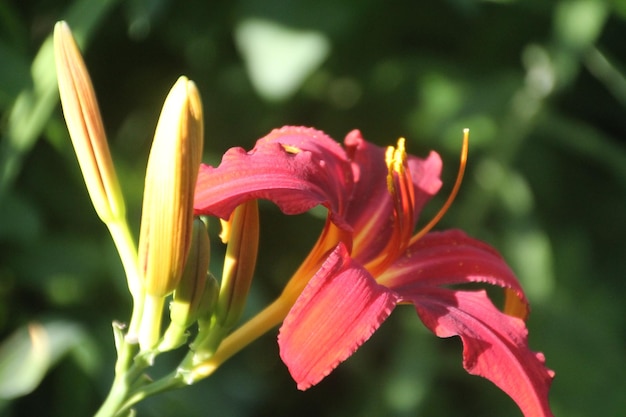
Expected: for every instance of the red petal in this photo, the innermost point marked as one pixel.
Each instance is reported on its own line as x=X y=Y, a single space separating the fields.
x=296 y=168
x=446 y=258
x=494 y=344
x=337 y=312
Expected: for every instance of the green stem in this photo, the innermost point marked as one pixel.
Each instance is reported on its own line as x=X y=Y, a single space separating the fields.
x=129 y=380
x=128 y=367
x=125 y=374
x=169 y=382
x=127 y=250
x=128 y=389
x=260 y=324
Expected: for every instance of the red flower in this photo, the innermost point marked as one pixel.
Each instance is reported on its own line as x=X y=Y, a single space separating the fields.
x=368 y=259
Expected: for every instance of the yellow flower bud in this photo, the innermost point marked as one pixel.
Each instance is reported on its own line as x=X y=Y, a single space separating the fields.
x=84 y=124
x=171 y=175
x=167 y=215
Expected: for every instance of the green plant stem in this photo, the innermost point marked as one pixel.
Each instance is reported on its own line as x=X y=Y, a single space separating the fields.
x=128 y=388
x=260 y=324
x=126 y=373
x=127 y=250
x=169 y=382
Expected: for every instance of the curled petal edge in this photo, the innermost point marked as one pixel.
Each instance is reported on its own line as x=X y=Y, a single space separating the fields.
x=495 y=345
x=296 y=168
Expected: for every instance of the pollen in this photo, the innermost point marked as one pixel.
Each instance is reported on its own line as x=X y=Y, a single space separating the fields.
x=395 y=158
x=291 y=149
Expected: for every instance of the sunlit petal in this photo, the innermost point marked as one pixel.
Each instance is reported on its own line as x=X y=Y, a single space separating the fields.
x=338 y=310
x=296 y=168
x=446 y=258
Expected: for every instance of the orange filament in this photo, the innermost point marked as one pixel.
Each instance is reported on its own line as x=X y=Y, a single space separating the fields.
x=453 y=193
x=400 y=186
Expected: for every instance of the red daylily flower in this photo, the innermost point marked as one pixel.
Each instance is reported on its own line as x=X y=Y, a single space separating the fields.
x=368 y=259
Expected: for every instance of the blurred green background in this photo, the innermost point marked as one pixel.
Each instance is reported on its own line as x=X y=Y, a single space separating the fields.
x=541 y=84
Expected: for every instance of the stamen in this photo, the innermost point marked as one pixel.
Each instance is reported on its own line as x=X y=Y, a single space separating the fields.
x=226 y=229
x=405 y=202
x=400 y=186
x=389 y=158
x=453 y=193
x=397 y=177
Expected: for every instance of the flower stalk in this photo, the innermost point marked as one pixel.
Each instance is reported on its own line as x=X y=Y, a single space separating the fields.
x=166 y=231
x=366 y=261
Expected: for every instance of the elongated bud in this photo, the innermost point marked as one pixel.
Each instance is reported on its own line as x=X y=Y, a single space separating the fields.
x=239 y=263
x=82 y=116
x=184 y=308
x=242 y=235
x=167 y=214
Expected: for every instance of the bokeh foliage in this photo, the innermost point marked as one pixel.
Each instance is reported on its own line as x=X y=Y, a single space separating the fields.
x=541 y=85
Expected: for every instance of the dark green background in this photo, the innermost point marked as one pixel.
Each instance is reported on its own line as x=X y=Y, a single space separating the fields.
x=539 y=83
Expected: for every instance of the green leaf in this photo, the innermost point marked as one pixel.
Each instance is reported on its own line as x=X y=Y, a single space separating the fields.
x=29 y=353
x=34 y=104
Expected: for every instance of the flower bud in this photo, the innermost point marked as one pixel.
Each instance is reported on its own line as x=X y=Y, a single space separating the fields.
x=190 y=293
x=242 y=235
x=82 y=116
x=239 y=263
x=84 y=124
x=167 y=214
x=208 y=300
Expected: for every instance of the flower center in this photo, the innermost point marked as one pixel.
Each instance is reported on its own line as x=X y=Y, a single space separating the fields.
x=400 y=187
x=402 y=191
